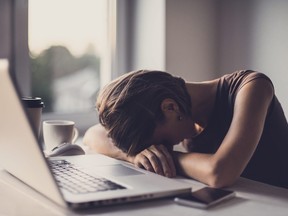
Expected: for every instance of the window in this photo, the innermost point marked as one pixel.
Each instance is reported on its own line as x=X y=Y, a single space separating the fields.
x=101 y=56
x=68 y=43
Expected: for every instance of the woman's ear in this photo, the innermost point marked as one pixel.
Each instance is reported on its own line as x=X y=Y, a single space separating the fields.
x=169 y=105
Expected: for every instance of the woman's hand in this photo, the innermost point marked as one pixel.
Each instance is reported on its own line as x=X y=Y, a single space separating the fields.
x=156 y=159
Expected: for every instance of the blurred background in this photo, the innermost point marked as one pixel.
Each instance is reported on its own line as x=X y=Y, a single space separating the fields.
x=65 y=50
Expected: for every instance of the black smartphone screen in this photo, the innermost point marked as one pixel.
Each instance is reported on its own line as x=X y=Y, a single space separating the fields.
x=204 y=197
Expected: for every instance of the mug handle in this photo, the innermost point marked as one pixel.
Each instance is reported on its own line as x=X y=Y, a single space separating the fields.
x=76 y=134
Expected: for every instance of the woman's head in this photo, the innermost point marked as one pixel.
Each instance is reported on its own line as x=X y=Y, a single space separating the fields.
x=130 y=106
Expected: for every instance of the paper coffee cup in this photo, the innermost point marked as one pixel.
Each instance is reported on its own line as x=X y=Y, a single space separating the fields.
x=34 y=106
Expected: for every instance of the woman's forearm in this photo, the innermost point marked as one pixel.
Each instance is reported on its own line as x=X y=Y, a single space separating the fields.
x=193 y=165
x=97 y=140
x=202 y=167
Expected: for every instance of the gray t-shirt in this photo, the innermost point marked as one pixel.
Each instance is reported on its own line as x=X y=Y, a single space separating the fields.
x=269 y=163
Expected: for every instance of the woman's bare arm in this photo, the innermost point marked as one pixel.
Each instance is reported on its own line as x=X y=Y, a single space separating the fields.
x=226 y=165
x=155 y=159
x=97 y=140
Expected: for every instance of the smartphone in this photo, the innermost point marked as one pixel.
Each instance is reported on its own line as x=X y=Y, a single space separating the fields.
x=205 y=197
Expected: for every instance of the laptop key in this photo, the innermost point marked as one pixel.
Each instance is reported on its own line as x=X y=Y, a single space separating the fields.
x=75 y=181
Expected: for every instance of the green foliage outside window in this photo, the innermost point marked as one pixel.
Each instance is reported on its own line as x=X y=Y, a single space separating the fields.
x=56 y=62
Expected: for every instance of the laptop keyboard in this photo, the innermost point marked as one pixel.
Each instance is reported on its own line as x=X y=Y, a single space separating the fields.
x=70 y=178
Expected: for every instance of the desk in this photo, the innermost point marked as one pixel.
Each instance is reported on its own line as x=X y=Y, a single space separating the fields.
x=252 y=198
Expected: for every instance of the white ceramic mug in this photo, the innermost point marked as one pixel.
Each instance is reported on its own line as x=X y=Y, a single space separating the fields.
x=57 y=132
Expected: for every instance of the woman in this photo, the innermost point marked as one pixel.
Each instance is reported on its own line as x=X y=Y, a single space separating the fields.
x=231 y=126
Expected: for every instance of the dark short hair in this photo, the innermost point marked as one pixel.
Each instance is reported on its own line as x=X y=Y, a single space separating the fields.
x=130 y=106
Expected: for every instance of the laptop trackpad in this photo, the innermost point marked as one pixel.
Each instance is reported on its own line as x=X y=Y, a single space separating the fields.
x=117 y=170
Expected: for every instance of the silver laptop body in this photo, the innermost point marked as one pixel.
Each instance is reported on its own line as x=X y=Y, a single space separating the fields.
x=22 y=157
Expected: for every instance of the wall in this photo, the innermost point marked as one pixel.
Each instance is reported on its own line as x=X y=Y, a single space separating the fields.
x=146 y=34
x=208 y=38
x=270 y=44
x=191 y=37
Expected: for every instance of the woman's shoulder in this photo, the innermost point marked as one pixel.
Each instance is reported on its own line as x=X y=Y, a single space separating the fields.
x=237 y=79
x=246 y=76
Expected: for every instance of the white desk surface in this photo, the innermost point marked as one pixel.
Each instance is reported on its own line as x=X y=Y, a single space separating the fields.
x=252 y=198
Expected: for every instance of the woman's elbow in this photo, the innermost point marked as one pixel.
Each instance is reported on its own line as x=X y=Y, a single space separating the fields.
x=220 y=182
x=219 y=177
x=93 y=139
x=88 y=137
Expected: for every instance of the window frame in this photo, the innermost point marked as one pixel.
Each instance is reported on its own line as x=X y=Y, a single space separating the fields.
x=14 y=40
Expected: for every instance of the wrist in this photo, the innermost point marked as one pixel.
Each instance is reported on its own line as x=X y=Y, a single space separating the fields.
x=130 y=159
x=176 y=158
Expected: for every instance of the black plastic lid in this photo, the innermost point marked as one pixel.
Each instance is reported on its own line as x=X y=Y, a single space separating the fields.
x=33 y=102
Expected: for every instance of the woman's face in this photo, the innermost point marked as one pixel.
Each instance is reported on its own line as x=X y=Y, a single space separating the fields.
x=174 y=128
x=172 y=132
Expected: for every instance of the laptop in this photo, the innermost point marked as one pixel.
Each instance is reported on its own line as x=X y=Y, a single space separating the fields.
x=21 y=156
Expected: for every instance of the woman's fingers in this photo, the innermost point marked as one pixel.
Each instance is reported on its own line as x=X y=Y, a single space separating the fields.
x=156 y=159
x=165 y=159
x=142 y=161
x=169 y=159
